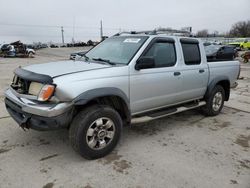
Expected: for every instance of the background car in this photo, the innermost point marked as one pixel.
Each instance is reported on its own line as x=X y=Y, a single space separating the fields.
x=218 y=52
x=73 y=55
x=245 y=45
x=4 y=47
x=16 y=49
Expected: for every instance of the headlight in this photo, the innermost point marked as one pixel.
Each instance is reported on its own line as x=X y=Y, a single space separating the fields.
x=43 y=92
x=35 y=88
x=46 y=92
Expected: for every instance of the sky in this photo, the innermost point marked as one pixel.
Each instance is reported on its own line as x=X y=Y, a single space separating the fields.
x=41 y=20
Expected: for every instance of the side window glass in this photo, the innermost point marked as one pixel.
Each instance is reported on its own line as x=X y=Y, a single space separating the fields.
x=191 y=53
x=163 y=54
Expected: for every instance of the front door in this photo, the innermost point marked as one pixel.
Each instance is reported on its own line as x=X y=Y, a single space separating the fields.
x=158 y=86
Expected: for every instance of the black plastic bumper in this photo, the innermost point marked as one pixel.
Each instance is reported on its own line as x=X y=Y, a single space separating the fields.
x=31 y=121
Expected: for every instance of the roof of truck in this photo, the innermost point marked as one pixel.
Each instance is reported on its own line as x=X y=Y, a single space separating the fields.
x=169 y=32
x=176 y=34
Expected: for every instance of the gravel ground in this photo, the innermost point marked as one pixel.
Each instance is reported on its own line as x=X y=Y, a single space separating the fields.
x=184 y=150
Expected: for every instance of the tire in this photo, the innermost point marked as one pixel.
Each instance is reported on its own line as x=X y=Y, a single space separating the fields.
x=89 y=130
x=215 y=102
x=31 y=54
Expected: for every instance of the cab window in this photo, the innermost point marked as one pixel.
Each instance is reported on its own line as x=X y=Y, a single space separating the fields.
x=163 y=53
x=191 y=52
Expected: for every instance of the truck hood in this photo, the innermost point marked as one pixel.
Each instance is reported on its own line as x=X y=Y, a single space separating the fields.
x=60 y=68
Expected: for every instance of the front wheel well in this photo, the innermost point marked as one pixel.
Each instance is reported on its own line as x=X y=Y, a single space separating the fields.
x=113 y=101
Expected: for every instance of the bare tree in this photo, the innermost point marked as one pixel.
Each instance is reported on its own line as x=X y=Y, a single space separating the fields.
x=240 y=29
x=202 y=33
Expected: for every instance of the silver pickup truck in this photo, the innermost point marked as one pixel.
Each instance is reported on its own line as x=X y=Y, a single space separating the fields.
x=127 y=79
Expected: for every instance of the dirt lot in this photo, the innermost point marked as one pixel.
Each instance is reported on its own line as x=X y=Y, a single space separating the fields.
x=184 y=150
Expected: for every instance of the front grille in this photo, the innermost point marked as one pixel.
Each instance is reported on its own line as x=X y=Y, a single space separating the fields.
x=20 y=85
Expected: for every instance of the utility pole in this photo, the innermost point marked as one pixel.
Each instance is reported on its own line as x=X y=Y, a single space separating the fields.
x=62 y=35
x=73 y=39
x=101 y=30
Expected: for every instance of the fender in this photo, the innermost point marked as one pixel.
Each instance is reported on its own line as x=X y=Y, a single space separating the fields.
x=100 y=92
x=213 y=83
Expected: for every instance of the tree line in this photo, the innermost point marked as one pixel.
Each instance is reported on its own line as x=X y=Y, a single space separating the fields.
x=239 y=29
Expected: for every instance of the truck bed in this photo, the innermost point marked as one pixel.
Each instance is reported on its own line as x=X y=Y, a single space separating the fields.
x=229 y=69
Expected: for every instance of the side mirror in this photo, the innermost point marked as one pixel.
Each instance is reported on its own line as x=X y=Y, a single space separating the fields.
x=145 y=63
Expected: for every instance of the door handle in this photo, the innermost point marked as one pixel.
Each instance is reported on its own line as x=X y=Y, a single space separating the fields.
x=201 y=70
x=177 y=73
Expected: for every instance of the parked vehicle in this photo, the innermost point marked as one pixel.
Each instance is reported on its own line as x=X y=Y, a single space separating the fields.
x=245 y=45
x=16 y=49
x=4 y=47
x=37 y=46
x=54 y=46
x=207 y=43
x=220 y=53
x=126 y=79
x=7 y=50
x=241 y=44
x=74 y=55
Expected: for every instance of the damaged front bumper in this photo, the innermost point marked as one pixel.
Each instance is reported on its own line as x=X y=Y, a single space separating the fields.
x=38 y=116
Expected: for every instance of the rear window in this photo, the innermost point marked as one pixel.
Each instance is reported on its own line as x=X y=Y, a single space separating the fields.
x=191 y=53
x=229 y=49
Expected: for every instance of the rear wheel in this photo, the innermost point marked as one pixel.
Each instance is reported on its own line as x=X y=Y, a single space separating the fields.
x=95 y=131
x=215 y=102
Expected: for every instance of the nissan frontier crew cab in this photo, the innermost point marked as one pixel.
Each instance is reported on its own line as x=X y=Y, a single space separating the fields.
x=127 y=79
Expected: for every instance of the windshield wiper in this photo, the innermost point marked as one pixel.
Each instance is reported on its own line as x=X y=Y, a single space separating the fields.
x=104 y=60
x=86 y=57
x=79 y=57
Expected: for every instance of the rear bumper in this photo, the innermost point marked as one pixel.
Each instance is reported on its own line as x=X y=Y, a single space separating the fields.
x=37 y=116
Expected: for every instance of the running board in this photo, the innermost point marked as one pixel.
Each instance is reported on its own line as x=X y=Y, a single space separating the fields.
x=166 y=112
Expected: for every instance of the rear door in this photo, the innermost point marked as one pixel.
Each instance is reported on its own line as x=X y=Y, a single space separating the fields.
x=195 y=70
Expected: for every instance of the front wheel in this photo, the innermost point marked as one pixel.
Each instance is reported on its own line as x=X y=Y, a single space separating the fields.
x=95 y=131
x=215 y=102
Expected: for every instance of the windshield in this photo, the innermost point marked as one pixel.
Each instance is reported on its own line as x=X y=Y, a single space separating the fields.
x=119 y=49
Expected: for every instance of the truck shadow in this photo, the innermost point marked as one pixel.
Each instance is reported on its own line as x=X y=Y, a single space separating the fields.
x=55 y=144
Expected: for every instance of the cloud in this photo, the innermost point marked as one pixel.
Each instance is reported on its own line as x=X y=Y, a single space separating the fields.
x=116 y=14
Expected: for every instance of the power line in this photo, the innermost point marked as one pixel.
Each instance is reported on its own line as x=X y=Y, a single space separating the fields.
x=51 y=36
x=54 y=26
x=27 y=25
